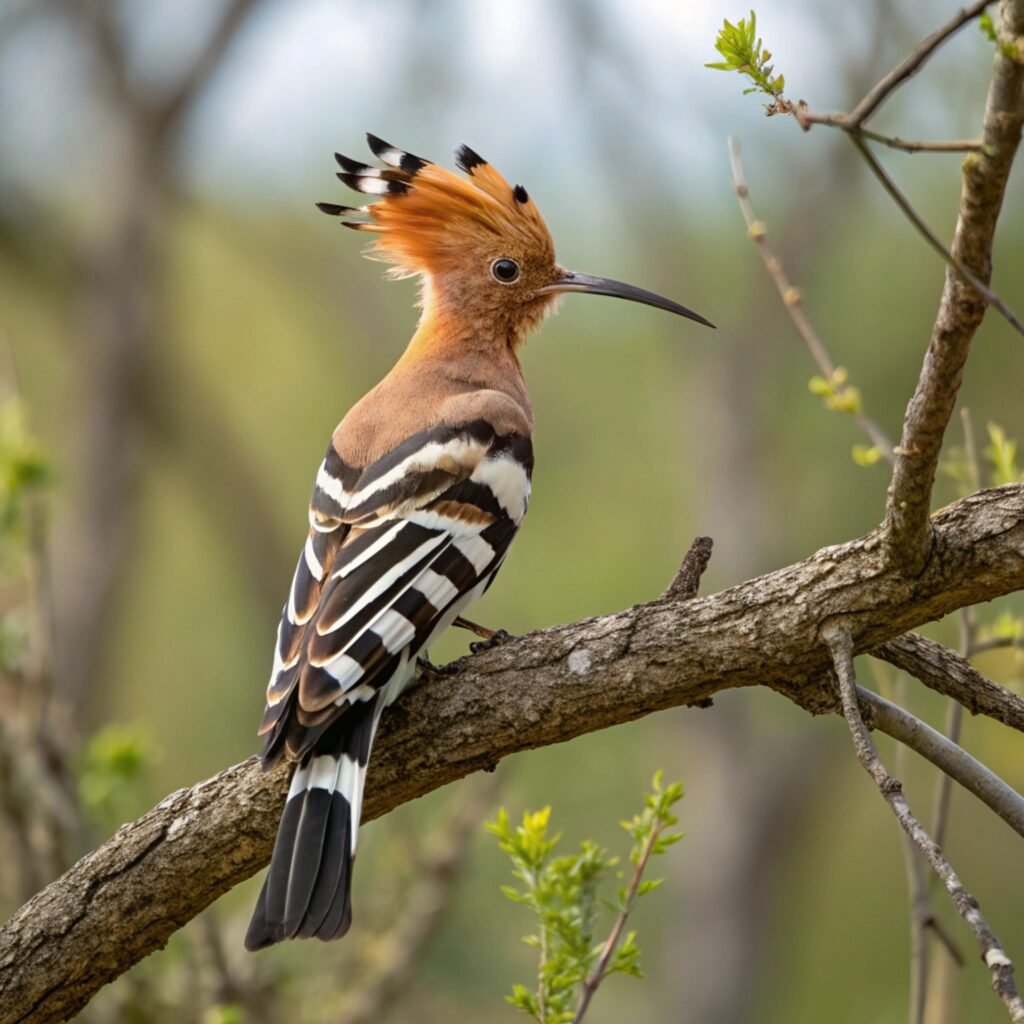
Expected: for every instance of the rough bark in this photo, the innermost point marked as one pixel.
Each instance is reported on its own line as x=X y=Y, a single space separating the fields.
x=946 y=671
x=124 y=900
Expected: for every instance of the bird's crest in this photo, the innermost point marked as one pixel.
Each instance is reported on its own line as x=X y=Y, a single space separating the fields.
x=427 y=216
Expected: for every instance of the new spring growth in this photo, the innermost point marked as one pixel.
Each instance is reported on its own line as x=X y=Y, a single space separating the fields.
x=563 y=893
x=835 y=393
x=742 y=51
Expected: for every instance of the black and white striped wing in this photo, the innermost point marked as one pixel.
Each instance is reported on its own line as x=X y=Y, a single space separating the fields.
x=389 y=563
x=394 y=554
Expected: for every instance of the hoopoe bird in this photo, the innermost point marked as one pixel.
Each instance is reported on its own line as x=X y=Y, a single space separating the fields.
x=424 y=484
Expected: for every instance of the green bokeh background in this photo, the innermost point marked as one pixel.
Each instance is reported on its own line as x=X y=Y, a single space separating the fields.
x=650 y=431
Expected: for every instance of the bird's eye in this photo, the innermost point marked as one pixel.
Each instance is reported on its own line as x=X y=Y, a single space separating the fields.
x=505 y=271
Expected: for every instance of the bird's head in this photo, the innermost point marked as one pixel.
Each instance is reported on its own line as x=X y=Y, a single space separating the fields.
x=480 y=245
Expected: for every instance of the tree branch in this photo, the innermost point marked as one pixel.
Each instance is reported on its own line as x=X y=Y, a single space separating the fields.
x=909 y=540
x=913 y=63
x=125 y=899
x=806 y=118
x=1006 y=802
x=923 y=146
x=853 y=125
x=948 y=673
x=838 y=637
x=930 y=237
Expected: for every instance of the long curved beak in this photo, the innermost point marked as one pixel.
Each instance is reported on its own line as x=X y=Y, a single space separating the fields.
x=575 y=282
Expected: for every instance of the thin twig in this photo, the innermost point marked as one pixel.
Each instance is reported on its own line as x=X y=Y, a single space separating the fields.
x=920 y=909
x=792 y=299
x=600 y=971
x=968 y=639
x=931 y=238
x=924 y=146
x=975 y=777
x=840 y=643
x=944 y=784
x=919 y=904
x=913 y=63
x=853 y=124
x=806 y=118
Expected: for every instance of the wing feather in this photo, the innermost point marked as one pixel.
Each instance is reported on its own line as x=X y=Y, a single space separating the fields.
x=394 y=552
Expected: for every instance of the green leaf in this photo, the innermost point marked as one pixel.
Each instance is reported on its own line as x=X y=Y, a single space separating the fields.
x=1001 y=454
x=864 y=455
x=563 y=892
x=744 y=53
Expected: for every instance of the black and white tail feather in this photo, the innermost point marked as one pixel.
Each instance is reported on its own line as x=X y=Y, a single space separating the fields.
x=395 y=552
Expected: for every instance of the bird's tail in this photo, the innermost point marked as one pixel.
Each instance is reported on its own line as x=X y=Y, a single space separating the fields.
x=307 y=891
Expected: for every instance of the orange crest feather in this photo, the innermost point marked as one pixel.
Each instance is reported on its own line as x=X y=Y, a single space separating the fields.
x=427 y=216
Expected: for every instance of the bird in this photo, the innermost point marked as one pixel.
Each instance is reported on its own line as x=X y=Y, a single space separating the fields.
x=423 y=487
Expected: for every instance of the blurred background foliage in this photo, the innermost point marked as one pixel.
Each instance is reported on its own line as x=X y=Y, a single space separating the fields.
x=187 y=330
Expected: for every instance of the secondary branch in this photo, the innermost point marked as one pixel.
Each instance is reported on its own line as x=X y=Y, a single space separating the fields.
x=837 y=635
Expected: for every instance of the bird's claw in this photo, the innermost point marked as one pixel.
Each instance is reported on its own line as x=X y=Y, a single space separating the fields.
x=496 y=639
x=428 y=671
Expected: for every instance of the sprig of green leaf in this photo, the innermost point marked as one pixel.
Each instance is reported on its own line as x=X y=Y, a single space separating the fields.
x=563 y=893
x=742 y=51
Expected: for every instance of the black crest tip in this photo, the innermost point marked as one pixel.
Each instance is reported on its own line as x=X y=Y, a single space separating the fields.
x=335 y=209
x=378 y=146
x=350 y=165
x=520 y=194
x=467 y=159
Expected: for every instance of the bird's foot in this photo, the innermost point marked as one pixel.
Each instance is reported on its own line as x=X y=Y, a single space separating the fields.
x=496 y=639
x=429 y=672
x=491 y=637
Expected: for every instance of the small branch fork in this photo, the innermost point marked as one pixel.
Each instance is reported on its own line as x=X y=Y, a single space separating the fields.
x=912 y=64
x=853 y=124
x=840 y=644
x=949 y=757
